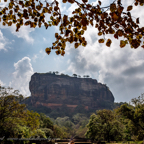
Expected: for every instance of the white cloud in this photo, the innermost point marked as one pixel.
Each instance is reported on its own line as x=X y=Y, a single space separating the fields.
x=3 y=42
x=42 y=54
x=4 y=4
x=34 y=57
x=22 y=75
x=62 y=6
x=44 y=39
x=71 y=9
x=24 y=32
x=1 y=83
x=39 y=55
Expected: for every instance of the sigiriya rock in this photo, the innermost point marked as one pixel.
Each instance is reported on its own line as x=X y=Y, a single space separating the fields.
x=54 y=91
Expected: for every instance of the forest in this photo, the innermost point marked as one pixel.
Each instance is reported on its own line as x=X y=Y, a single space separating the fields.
x=123 y=123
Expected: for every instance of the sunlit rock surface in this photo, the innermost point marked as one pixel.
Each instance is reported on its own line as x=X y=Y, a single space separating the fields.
x=54 y=91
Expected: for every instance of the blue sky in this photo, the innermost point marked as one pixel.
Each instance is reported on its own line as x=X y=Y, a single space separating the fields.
x=23 y=53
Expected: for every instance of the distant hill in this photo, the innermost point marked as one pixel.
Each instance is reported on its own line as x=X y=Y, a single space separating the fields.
x=61 y=95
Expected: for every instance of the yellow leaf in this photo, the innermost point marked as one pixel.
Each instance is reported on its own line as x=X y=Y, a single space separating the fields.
x=50 y=8
x=137 y=20
x=129 y=8
x=142 y=46
x=71 y=1
x=48 y=50
x=46 y=25
x=101 y=40
x=122 y=43
x=76 y=45
x=64 y=1
x=62 y=52
x=84 y=27
x=54 y=44
x=38 y=7
x=100 y=33
x=39 y=24
x=111 y=31
x=56 y=35
x=99 y=2
x=85 y=1
x=112 y=7
x=4 y=23
x=58 y=52
x=108 y=43
x=91 y=22
x=120 y=33
x=84 y=43
x=96 y=25
x=139 y=36
x=82 y=32
x=56 y=8
x=63 y=46
x=10 y=5
x=115 y=17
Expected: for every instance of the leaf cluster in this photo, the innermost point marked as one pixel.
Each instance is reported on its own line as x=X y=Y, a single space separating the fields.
x=116 y=22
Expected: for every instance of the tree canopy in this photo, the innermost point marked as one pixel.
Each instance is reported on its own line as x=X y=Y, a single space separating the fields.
x=104 y=126
x=111 y=19
x=135 y=114
x=16 y=121
x=122 y=123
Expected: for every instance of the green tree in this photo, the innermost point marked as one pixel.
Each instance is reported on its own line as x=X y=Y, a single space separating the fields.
x=80 y=121
x=104 y=126
x=134 y=112
x=31 y=119
x=15 y=119
x=110 y=19
x=10 y=108
x=46 y=125
x=65 y=121
x=57 y=72
x=60 y=132
x=45 y=121
x=67 y=124
x=74 y=75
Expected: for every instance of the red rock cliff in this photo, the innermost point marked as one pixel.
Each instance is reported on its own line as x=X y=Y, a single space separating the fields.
x=53 y=91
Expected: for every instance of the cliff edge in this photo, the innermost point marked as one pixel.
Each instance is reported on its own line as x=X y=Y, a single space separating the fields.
x=54 y=91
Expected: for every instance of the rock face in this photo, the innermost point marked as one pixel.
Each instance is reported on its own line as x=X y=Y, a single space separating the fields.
x=54 y=91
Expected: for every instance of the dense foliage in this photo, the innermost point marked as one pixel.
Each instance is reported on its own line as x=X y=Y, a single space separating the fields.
x=125 y=122
x=16 y=121
x=104 y=126
x=133 y=116
x=110 y=19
